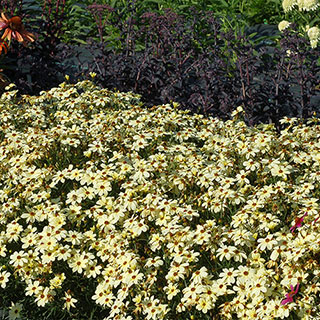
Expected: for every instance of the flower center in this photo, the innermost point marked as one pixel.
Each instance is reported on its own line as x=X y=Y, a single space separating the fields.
x=15 y=23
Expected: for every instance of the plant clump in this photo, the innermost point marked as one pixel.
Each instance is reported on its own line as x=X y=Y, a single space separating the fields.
x=167 y=57
x=110 y=210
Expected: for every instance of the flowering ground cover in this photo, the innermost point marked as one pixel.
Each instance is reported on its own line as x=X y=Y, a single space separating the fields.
x=110 y=210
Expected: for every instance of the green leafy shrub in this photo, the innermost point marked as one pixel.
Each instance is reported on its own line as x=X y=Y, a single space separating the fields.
x=109 y=210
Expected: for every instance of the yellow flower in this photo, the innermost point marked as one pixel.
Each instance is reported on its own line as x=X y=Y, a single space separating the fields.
x=69 y=301
x=4 y=278
x=33 y=288
x=92 y=75
x=15 y=310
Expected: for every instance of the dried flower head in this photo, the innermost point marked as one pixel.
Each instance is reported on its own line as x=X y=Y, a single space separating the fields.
x=314 y=36
x=314 y=33
x=288 y=5
x=307 y=5
x=283 y=25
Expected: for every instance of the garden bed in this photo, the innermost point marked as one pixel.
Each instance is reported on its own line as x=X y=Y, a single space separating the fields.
x=110 y=210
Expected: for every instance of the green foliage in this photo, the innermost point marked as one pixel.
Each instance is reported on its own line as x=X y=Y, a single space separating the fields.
x=78 y=23
x=263 y=11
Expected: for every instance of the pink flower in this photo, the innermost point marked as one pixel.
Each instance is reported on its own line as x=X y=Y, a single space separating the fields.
x=289 y=296
x=14 y=28
x=298 y=222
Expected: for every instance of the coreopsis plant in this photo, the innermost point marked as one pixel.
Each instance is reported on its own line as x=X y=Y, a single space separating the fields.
x=110 y=210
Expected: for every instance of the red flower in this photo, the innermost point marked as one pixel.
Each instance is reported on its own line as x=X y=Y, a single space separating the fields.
x=298 y=222
x=13 y=28
x=289 y=296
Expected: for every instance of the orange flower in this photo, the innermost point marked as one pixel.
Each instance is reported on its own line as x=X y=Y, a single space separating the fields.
x=14 y=29
x=3 y=46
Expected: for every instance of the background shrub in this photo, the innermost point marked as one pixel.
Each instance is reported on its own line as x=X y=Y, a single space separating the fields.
x=206 y=69
x=193 y=59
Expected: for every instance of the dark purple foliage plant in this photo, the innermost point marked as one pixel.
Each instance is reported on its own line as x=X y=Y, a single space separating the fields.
x=167 y=58
x=210 y=71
